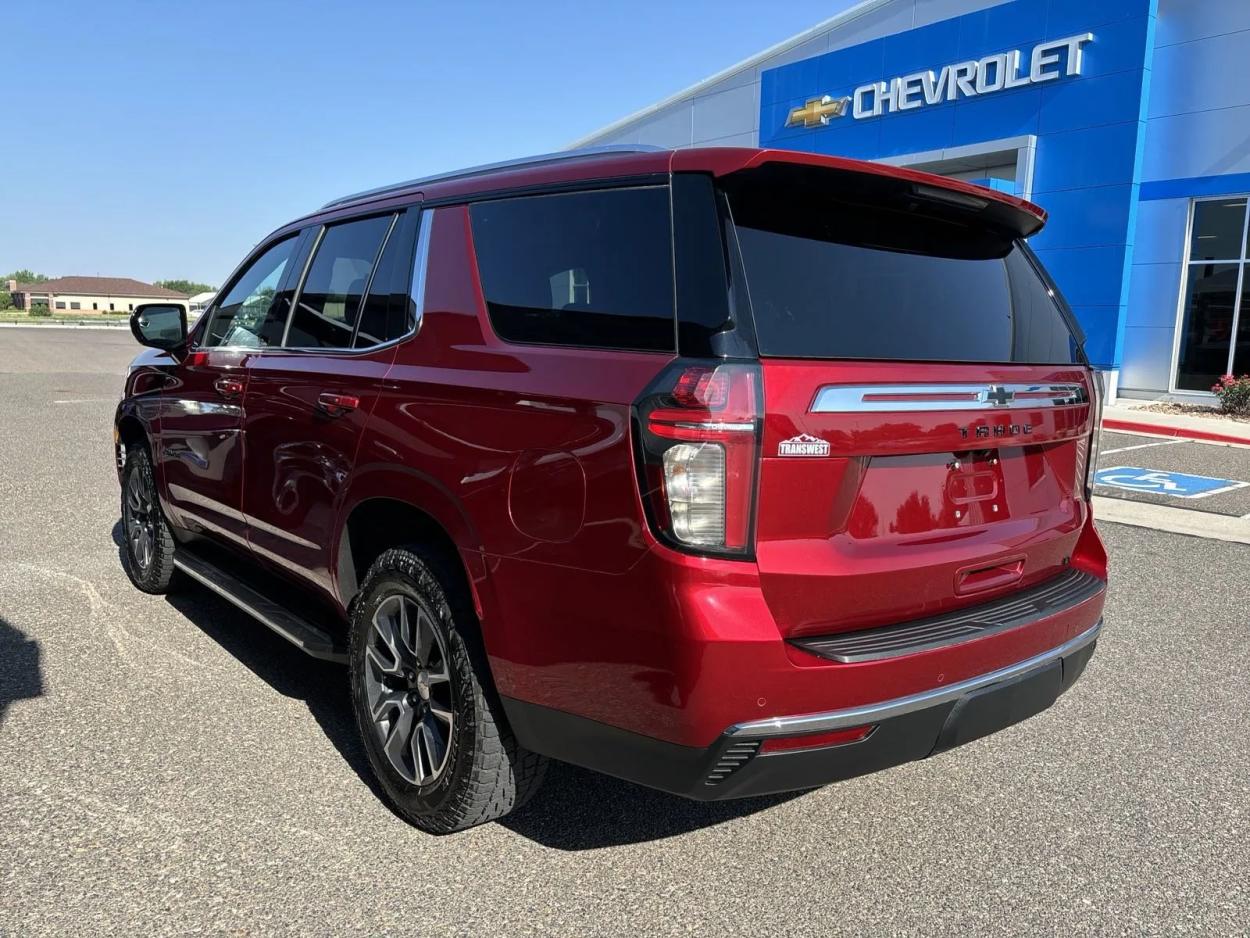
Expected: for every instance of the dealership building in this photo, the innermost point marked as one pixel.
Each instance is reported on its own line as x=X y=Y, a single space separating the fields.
x=1127 y=120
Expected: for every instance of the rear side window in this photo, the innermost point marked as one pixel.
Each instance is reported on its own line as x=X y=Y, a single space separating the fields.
x=390 y=308
x=334 y=289
x=587 y=268
x=833 y=279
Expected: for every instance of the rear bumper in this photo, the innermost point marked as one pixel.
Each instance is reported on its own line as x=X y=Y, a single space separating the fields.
x=738 y=764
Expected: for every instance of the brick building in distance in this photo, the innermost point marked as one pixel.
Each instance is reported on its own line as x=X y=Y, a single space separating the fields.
x=88 y=295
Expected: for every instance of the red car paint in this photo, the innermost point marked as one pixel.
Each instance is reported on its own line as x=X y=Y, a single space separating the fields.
x=524 y=455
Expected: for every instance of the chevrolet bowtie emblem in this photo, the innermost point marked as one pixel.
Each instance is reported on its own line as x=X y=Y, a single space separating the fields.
x=999 y=396
x=817 y=111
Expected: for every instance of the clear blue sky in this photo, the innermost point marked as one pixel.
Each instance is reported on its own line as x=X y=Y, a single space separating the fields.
x=162 y=139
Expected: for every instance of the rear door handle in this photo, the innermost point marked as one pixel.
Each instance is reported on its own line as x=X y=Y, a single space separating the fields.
x=228 y=387
x=337 y=404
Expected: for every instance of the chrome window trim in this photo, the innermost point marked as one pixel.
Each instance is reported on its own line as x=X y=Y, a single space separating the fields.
x=850 y=399
x=900 y=706
x=306 y=350
x=420 y=269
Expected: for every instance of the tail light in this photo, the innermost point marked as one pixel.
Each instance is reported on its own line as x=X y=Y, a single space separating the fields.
x=697 y=432
x=1087 y=449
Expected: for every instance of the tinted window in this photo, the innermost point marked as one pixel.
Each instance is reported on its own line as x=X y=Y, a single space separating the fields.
x=1215 y=324
x=389 y=311
x=1218 y=230
x=846 y=281
x=1207 y=325
x=251 y=313
x=586 y=268
x=1041 y=332
x=710 y=286
x=330 y=300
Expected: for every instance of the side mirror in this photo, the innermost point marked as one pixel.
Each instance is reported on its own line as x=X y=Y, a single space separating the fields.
x=160 y=325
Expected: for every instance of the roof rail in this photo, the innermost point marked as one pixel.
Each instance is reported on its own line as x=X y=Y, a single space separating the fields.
x=521 y=162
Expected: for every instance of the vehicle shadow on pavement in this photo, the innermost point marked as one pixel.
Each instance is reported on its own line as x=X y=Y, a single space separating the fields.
x=20 y=675
x=321 y=685
x=577 y=809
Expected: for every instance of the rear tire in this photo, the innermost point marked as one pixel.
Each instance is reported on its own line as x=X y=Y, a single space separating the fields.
x=147 y=539
x=430 y=720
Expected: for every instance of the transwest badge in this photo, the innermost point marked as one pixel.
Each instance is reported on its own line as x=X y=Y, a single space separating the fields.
x=803 y=445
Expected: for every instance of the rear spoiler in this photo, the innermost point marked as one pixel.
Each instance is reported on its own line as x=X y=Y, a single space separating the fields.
x=954 y=197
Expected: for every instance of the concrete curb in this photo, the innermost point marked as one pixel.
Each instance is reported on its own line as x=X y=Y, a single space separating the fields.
x=1131 y=419
x=1188 y=433
x=1202 y=524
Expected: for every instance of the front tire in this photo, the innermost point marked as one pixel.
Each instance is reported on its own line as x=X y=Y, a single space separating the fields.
x=148 y=540
x=431 y=722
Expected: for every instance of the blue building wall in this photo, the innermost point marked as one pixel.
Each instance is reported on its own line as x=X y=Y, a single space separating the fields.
x=1197 y=145
x=1090 y=130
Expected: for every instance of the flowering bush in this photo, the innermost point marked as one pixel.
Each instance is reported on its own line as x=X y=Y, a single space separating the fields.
x=1234 y=394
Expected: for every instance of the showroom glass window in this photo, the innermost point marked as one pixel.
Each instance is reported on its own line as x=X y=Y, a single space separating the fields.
x=1215 y=313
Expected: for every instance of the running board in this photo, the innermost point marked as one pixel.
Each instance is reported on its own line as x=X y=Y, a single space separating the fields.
x=298 y=631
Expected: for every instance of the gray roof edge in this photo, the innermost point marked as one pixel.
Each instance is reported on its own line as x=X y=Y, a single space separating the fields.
x=522 y=162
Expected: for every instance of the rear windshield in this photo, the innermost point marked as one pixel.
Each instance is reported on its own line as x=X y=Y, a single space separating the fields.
x=830 y=278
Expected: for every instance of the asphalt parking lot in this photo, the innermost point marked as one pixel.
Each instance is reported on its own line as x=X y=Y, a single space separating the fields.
x=168 y=766
x=1160 y=470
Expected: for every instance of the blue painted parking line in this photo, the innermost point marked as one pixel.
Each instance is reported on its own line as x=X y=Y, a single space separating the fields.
x=1158 y=482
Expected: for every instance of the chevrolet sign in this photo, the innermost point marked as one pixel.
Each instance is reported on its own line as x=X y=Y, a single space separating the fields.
x=961 y=80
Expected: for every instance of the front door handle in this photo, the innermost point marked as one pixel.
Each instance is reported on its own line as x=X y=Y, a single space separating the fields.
x=337 y=404
x=229 y=387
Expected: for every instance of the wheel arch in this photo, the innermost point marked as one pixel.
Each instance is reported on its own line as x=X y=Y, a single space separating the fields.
x=393 y=507
x=131 y=430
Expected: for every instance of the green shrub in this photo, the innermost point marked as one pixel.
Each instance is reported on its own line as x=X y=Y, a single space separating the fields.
x=1234 y=394
x=40 y=309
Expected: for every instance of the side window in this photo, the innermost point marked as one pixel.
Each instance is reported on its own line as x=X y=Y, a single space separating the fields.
x=250 y=314
x=330 y=300
x=586 y=268
x=391 y=306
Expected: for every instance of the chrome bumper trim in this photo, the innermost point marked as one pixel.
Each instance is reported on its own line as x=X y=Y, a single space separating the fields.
x=877 y=712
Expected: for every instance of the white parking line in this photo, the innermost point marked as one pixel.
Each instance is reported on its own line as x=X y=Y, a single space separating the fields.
x=83 y=400
x=1125 y=449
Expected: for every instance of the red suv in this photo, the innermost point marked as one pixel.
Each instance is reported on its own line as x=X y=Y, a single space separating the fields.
x=725 y=471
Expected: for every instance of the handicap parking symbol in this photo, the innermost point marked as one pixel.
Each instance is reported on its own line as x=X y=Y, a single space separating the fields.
x=1158 y=482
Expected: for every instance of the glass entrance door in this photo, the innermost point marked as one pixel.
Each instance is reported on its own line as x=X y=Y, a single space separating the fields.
x=1215 y=314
